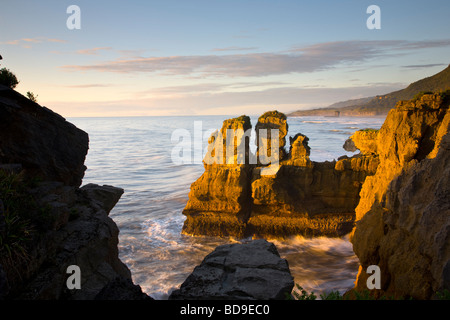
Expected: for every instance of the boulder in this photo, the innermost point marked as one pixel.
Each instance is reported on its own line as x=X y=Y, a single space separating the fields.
x=41 y=141
x=249 y=271
x=349 y=145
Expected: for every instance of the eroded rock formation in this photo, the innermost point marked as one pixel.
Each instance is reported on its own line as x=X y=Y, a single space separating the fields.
x=403 y=217
x=291 y=195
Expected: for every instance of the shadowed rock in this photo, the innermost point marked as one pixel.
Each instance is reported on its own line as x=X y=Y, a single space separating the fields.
x=250 y=271
x=59 y=224
x=41 y=141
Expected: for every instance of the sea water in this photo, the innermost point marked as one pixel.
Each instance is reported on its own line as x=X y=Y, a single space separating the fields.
x=135 y=153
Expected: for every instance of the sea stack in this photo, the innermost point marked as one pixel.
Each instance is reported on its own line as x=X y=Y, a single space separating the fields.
x=299 y=197
x=219 y=201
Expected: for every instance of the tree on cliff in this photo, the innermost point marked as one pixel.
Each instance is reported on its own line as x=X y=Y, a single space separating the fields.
x=32 y=96
x=7 y=78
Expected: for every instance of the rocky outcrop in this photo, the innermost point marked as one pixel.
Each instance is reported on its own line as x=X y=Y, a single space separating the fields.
x=220 y=199
x=317 y=199
x=269 y=121
x=76 y=231
x=299 y=151
x=295 y=197
x=403 y=217
x=41 y=141
x=249 y=271
x=366 y=141
x=47 y=222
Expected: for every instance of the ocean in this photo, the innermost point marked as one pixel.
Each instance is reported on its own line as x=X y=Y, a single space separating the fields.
x=136 y=154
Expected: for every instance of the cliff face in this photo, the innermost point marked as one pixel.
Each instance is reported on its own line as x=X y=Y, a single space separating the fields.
x=48 y=223
x=41 y=141
x=403 y=217
x=295 y=197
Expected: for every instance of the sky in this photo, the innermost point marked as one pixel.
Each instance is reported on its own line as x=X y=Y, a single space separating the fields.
x=155 y=58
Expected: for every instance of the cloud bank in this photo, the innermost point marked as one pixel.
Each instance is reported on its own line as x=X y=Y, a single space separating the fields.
x=306 y=59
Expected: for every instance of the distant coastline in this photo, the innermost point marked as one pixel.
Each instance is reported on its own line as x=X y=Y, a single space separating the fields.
x=381 y=105
x=327 y=112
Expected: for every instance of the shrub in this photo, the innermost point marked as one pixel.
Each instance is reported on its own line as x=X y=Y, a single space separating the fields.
x=7 y=78
x=419 y=95
x=32 y=96
x=301 y=294
x=17 y=228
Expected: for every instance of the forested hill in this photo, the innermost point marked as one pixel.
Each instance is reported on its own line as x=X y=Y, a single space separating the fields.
x=380 y=105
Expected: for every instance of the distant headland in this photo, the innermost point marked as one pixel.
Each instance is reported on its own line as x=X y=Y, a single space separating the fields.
x=382 y=104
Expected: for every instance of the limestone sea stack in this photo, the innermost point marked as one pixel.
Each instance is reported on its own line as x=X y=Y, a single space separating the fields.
x=296 y=196
x=220 y=199
x=403 y=217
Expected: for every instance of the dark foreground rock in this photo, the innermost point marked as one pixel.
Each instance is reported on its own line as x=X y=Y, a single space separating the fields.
x=121 y=289
x=47 y=222
x=250 y=271
x=77 y=231
x=43 y=142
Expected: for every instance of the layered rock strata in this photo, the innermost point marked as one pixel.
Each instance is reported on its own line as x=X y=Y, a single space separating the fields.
x=249 y=271
x=220 y=199
x=295 y=197
x=403 y=217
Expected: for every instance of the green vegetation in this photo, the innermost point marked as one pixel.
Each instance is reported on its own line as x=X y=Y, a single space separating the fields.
x=274 y=113
x=245 y=120
x=7 y=78
x=369 y=130
x=301 y=294
x=444 y=295
x=445 y=94
x=17 y=229
x=419 y=95
x=32 y=96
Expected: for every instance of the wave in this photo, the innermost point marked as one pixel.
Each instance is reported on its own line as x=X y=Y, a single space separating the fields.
x=312 y=121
